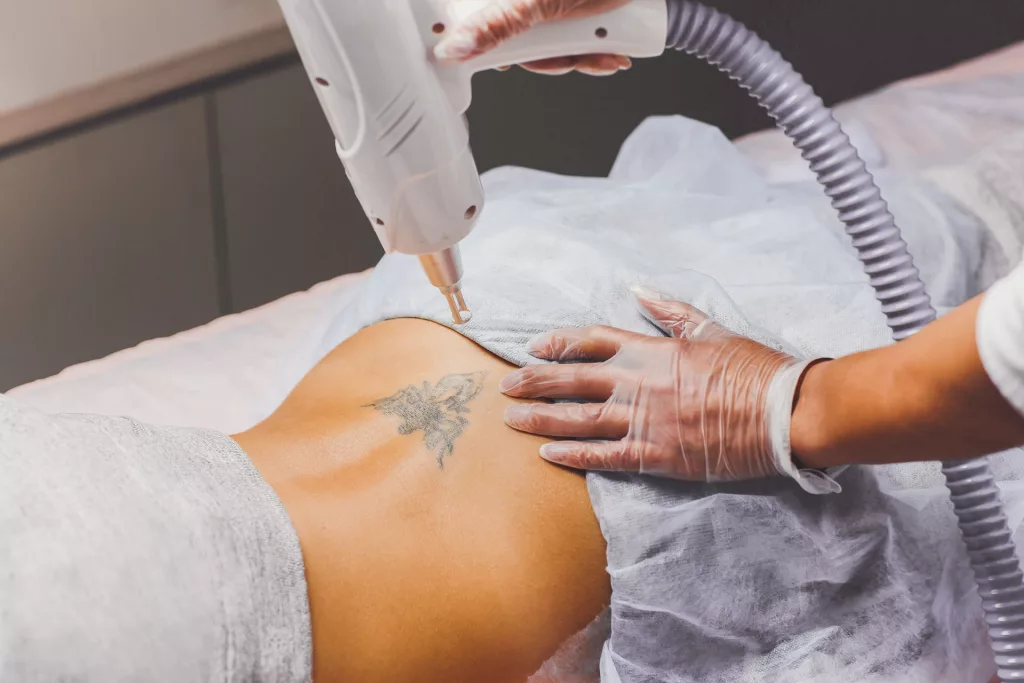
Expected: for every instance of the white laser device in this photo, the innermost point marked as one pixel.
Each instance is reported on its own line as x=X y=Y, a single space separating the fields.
x=397 y=113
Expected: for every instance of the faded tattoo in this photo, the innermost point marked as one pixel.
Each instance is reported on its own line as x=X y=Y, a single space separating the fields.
x=437 y=410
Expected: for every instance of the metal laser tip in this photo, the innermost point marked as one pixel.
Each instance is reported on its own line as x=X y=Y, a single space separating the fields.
x=460 y=312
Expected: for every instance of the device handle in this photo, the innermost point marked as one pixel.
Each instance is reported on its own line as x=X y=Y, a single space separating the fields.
x=637 y=29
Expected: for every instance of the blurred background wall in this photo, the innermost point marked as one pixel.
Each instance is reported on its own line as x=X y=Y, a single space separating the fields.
x=165 y=163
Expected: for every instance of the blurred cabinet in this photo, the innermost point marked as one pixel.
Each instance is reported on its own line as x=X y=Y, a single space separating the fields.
x=291 y=217
x=106 y=240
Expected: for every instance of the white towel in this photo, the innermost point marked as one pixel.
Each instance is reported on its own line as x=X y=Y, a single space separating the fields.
x=758 y=581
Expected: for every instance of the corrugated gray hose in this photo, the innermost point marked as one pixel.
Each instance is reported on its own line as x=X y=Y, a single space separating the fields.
x=737 y=51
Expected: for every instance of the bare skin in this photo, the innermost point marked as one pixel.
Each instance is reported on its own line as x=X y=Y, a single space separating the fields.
x=437 y=546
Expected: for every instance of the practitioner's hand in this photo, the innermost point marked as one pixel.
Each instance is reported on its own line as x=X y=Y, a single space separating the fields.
x=704 y=404
x=503 y=19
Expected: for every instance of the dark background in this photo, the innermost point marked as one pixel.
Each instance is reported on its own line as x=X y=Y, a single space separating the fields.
x=843 y=48
x=227 y=194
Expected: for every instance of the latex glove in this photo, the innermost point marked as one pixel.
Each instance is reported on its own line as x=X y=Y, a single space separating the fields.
x=502 y=19
x=704 y=404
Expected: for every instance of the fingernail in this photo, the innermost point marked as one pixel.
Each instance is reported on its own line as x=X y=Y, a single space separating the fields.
x=645 y=292
x=510 y=381
x=648 y=298
x=457 y=46
x=559 y=451
x=517 y=415
x=555 y=72
x=540 y=345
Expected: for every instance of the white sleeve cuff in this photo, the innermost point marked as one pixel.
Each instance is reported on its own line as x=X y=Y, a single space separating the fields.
x=781 y=393
x=1000 y=336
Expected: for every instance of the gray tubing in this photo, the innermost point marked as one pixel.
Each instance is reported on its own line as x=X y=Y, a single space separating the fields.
x=737 y=51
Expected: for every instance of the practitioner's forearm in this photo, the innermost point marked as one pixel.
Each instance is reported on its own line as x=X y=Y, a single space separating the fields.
x=926 y=398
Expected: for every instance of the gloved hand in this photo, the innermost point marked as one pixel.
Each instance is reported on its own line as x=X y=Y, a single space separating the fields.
x=503 y=19
x=704 y=404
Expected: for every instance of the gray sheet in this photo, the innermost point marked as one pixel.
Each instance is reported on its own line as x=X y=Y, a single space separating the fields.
x=140 y=553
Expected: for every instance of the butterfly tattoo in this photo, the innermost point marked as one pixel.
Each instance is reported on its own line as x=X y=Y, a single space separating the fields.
x=438 y=410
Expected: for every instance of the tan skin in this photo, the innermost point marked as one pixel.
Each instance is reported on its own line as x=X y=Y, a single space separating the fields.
x=476 y=572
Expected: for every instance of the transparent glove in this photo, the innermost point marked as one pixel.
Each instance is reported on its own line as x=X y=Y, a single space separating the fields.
x=500 y=20
x=703 y=405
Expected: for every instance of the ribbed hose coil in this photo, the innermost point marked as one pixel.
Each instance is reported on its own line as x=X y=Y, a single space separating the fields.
x=746 y=58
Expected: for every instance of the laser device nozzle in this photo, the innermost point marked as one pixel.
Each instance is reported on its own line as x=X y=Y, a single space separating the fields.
x=460 y=312
x=444 y=270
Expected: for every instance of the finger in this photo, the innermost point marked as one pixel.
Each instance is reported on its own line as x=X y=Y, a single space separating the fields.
x=577 y=420
x=591 y=382
x=502 y=68
x=487 y=28
x=626 y=455
x=554 y=66
x=605 y=456
x=500 y=20
x=603 y=65
x=592 y=65
x=597 y=343
x=675 y=318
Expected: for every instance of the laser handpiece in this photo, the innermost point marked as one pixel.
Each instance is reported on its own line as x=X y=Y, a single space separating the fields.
x=397 y=113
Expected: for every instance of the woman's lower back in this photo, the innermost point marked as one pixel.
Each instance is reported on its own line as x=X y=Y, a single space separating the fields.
x=437 y=545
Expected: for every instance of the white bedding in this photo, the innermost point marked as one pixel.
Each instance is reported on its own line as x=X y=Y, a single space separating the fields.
x=230 y=374
x=226 y=375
